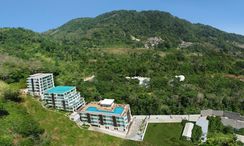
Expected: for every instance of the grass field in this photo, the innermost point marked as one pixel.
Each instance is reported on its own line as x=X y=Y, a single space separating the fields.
x=165 y=135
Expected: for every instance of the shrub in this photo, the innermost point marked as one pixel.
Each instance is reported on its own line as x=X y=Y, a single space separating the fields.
x=26 y=142
x=12 y=95
x=215 y=124
x=228 y=129
x=5 y=141
x=183 y=122
x=240 y=131
x=26 y=126
x=196 y=133
x=3 y=112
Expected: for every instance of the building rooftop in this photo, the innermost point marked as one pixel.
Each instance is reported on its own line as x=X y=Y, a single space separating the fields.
x=114 y=109
x=117 y=110
x=60 y=89
x=188 y=130
x=40 y=75
x=107 y=102
x=203 y=122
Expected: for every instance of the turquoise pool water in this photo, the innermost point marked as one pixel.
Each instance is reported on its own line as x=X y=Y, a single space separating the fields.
x=117 y=110
x=60 y=89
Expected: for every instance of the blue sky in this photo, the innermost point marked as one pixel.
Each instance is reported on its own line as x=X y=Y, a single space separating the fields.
x=42 y=15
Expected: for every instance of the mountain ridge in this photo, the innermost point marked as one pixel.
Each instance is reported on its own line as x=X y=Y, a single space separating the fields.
x=117 y=28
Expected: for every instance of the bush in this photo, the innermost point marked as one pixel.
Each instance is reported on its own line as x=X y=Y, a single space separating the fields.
x=26 y=142
x=5 y=141
x=196 y=133
x=215 y=124
x=26 y=126
x=228 y=130
x=240 y=131
x=12 y=95
x=183 y=122
x=3 y=112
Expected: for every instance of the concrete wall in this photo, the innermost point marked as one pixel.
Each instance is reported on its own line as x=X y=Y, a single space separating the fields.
x=168 y=118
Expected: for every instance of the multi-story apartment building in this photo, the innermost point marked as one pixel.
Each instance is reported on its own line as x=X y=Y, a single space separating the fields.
x=106 y=114
x=38 y=83
x=63 y=98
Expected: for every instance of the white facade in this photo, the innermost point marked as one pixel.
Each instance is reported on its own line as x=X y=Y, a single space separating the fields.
x=63 y=98
x=116 y=117
x=37 y=84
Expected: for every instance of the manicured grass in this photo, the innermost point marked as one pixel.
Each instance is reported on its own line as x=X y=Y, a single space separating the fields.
x=165 y=135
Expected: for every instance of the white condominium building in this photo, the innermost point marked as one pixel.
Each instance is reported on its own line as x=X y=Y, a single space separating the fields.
x=38 y=83
x=64 y=98
x=106 y=114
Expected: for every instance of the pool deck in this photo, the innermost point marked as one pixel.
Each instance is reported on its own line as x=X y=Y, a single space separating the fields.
x=109 y=109
x=60 y=89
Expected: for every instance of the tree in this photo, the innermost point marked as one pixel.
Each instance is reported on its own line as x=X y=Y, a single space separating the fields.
x=215 y=124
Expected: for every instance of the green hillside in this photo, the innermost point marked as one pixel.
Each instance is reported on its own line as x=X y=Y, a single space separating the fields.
x=112 y=46
x=214 y=77
x=118 y=28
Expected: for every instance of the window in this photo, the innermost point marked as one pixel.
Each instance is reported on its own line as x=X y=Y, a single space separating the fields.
x=115 y=128
x=106 y=127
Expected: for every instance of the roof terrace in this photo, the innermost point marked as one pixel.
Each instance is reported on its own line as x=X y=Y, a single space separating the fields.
x=39 y=75
x=60 y=89
x=97 y=107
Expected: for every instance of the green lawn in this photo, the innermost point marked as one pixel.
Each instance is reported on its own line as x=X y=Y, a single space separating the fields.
x=165 y=135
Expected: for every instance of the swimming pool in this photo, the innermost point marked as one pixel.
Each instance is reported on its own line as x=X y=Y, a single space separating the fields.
x=117 y=110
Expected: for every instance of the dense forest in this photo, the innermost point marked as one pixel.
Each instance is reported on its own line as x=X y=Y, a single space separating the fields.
x=117 y=44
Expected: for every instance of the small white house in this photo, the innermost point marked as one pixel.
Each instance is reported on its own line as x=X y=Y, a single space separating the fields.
x=143 y=81
x=187 y=132
x=181 y=77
